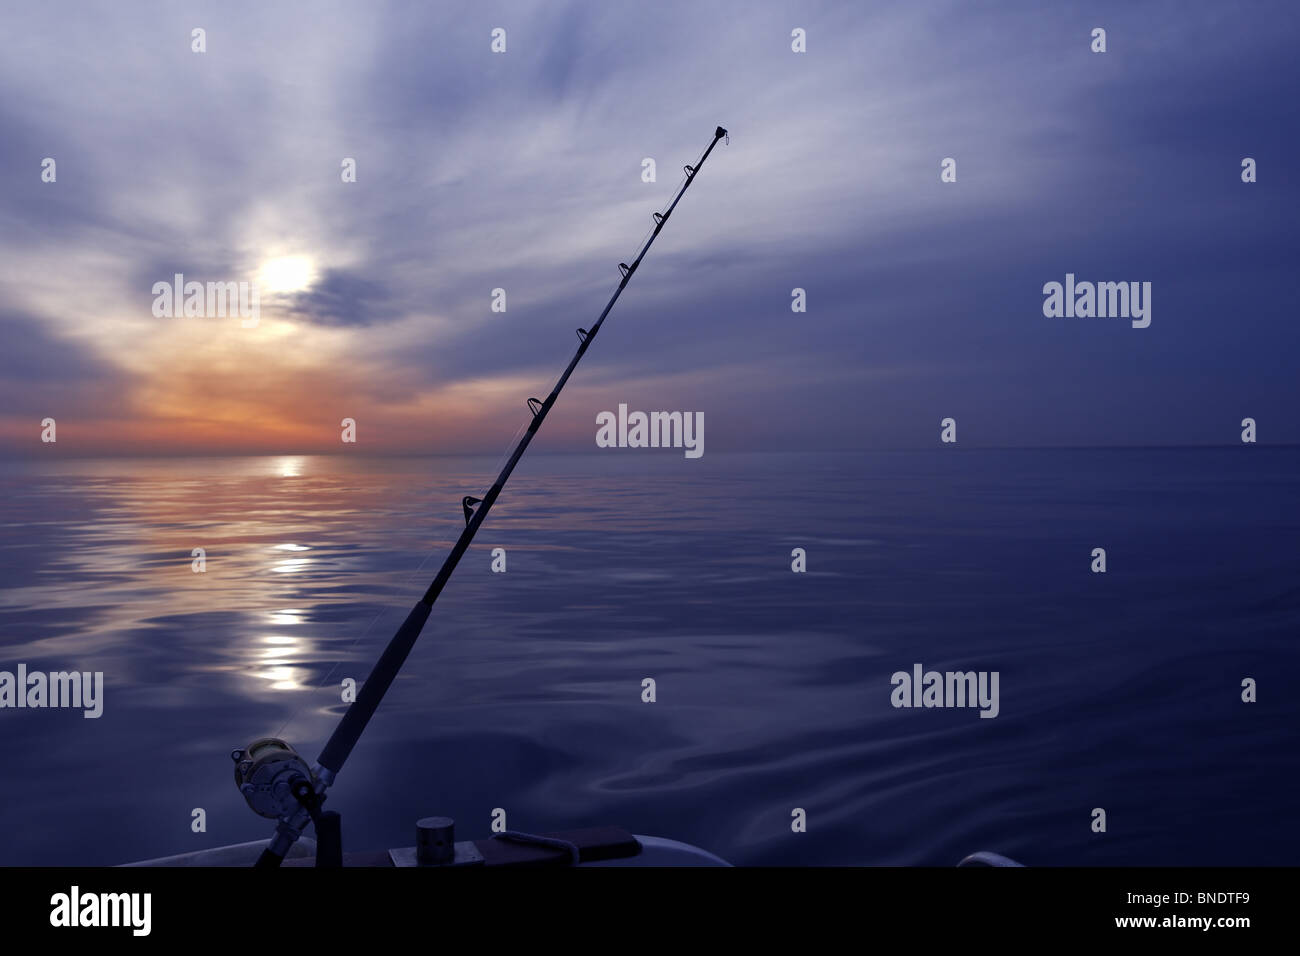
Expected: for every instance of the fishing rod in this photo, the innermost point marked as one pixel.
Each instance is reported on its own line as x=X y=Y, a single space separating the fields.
x=274 y=779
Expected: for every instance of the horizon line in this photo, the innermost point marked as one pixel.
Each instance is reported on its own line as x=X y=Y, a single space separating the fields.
x=571 y=453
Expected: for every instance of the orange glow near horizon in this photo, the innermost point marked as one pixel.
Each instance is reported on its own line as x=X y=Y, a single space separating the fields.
x=204 y=386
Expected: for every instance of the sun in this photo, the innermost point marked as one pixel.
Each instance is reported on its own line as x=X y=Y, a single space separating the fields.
x=286 y=274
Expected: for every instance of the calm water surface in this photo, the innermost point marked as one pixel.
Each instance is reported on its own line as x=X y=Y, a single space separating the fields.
x=1119 y=690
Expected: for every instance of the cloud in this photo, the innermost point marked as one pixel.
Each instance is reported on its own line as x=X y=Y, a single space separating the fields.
x=47 y=375
x=342 y=297
x=522 y=171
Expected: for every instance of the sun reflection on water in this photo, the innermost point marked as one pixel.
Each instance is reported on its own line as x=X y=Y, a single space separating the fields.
x=276 y=663
x=289 y=466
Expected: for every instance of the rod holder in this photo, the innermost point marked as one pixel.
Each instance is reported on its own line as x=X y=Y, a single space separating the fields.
x=435 y=841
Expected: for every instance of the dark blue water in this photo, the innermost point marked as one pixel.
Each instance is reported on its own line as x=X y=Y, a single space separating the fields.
x=1119 y=690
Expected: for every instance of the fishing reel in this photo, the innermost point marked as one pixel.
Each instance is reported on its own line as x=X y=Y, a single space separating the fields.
x=274 y=778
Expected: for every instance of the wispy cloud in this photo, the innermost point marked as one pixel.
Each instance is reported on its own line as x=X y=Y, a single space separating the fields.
x=521 y=171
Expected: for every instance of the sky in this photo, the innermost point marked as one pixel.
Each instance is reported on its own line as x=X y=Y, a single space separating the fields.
x=522 y=170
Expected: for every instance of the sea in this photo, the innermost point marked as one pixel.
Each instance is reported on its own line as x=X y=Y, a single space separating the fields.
x=228 y=599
